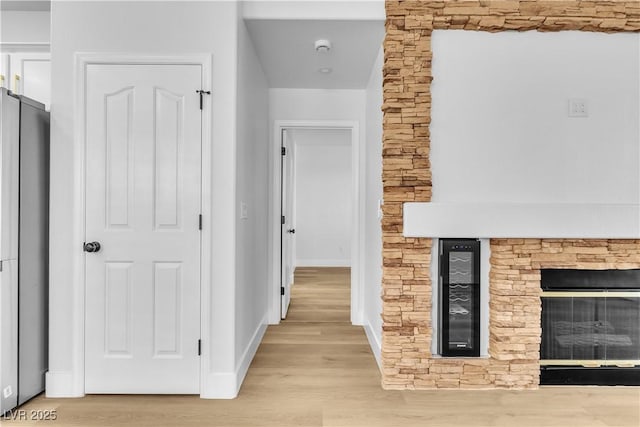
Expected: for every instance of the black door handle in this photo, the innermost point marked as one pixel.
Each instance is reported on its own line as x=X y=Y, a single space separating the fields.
x=292 y=231
x=92 y=247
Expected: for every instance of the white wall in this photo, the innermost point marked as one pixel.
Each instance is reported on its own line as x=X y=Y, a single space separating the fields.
x=500 y=130
x=373 y=230
x=24 y=27
x=180 y=27
x=317 y=104
x=251 y=193
x=323 y=197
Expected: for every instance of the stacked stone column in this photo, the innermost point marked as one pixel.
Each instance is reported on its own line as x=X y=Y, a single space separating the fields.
x=515 y=276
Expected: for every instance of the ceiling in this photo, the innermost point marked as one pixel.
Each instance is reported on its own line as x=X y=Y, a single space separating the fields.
x=289 y=59
x=286 y=48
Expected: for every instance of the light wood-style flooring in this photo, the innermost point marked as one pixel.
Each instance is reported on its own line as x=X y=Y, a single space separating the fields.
x=315 y=369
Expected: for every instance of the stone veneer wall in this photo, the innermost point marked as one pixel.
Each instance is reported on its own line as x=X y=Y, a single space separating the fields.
x=515 y=277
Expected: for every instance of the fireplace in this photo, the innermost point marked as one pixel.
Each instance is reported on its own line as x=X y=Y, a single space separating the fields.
x=590 y=327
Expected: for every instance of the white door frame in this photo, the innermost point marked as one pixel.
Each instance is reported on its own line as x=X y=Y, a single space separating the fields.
x=83 y=60
x=357 y=215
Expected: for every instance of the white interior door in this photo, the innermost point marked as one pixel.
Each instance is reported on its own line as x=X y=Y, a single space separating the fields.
x=143 y=154
x=288 y=225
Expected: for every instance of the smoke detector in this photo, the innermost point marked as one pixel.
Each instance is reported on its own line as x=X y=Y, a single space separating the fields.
x=323 y=46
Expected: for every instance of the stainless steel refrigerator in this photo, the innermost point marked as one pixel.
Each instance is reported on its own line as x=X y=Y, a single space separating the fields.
x=24 y=248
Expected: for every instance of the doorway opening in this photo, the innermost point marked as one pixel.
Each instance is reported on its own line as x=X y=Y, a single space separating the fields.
x=316 y=211
x=316 y=231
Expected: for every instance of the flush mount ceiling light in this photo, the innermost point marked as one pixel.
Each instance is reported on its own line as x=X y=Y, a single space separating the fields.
x=323 y=46
x=325 y=70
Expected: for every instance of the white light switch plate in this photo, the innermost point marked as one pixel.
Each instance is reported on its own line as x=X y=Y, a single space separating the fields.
x=243 y=211
x=578 y=108
x=7 y=392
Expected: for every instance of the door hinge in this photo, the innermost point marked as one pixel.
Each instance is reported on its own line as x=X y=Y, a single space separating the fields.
x=202 y=93
x=282 y=220
x=283 y=151
x=200 y=222
x=281 y=290
x=0 y=265
x=199 y=347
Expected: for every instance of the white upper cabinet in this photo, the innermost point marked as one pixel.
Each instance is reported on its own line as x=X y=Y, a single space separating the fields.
x=25 y=59
x=4 y=71
x=30 y=75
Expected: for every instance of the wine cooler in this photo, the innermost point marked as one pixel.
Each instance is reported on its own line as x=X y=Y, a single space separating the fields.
x=459 y=302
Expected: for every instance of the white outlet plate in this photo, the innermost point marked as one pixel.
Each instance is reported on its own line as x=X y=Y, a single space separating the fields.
x=243 y=211
x=7 y=392
x=578 y=107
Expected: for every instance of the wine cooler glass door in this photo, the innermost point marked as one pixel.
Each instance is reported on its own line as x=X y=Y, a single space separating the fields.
x=461 y=300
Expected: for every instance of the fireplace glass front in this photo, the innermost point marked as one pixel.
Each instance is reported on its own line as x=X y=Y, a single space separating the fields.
x=590 y=327
x=598 y=329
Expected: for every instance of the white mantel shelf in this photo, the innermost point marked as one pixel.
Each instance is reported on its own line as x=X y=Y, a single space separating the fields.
x=522 y=220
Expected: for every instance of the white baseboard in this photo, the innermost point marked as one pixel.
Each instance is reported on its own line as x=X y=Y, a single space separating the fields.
x=62 y=384
x=247 y=357
x=323 y=263
x=376 y=347
x=226 y=385
x=219 y=385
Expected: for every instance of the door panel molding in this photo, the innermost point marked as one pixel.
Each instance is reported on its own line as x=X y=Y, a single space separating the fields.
x=167 y=280
x=357 y=233
x=118 y=159
x=117 y=309
x=168 y=142
x=74 y=379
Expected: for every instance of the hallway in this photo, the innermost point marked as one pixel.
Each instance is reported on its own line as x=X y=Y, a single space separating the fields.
x=316 y=369
x=315 y=361
x=319 y=295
